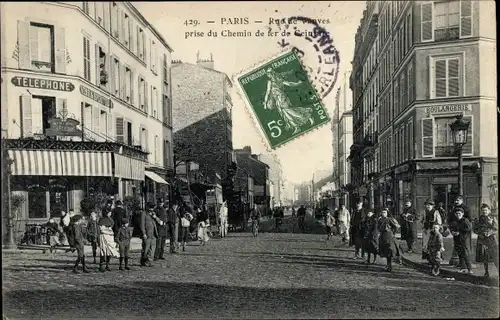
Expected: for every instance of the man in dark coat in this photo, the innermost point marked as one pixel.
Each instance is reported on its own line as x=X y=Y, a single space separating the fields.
x=162 y=232
x=356 y=236
x=149 y=234
x=409 y=220
x=452 y=220
x=172 y=214
x=118 y=214
x=461 y=230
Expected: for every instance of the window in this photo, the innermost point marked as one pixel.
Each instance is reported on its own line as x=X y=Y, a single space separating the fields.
x=85 y=7
x=403 y=90
x=86 y=59
x=153 y=57
x=167 y=160
x=447 y=76
x=144 y=139
x=437 y=138
x=157 y=150
x=126 y=30
x=99 y=13
x=452 y=20
x=129 y=138
x=128 y=85
x=116 y=77
x=103 y=121
x=142 y=94
x=447 y=19
x=396 y=97
x=41 y=45
x=410 y=79
x=87 y=116
x=167 y=110
x=37 y=200
x=154 y=100
x=102 y=67
x=43 y=109
x=140 y=43
x=114 y=20
x=410 y=139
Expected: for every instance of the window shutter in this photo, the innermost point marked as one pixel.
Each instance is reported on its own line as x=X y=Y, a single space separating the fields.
x=120 y=130
x=144 y=47
x=97 y=66
x=410 y=139
x=132 y=83
x=119 y=21
x=110 y=126
x=130 y=39
x=96 y=115
x=107 y=22
x=138 y=35
x=465 y=18
x=123 y=74
x=26 y=116
x=23 y=43
x=453 y=78
x=427 y=137
x=467 y=148
x=427 y=30
x=410 y=83
x=60 y=50
x=126 y=133
x=440 y=78
x=146 y=89
x=92 y=6
x=114 y=22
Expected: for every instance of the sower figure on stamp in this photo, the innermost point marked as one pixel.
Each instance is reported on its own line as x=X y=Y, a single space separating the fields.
x=276 y=98
x=149 y=234
x=162 y=232
x=409 y=220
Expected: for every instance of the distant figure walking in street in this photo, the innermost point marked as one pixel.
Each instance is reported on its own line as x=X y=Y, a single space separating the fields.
x=370 y=236
x=79 y=242
x=223 y=215
x=162 y=232
x=66 y=227
x=356 y=235
x=149 y=233
x=431 y=217
x=106 y=242
x=387 y=245
x=487 y=241
x=344 y=223
x=93 y=233
x=185 y=224
x=435 y=247
x=123 y=237
x=330 y=223
x=461 y=230
x=172 y=214
x=301 y=215
x=409 y=220
x=203 y=232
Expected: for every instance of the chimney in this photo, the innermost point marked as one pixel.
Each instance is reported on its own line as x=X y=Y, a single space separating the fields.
x=207 y=63
x=247 y=149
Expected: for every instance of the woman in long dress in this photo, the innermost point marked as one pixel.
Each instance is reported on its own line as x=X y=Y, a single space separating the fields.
x=387 y=246
x=276 y=98
x=107 y=243
x=487 y=244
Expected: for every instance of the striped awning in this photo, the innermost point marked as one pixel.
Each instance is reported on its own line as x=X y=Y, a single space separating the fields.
x=129 y=168
x=86 y=163
x=36 y=162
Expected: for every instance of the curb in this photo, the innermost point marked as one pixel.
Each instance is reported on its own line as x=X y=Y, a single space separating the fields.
x=492 y=282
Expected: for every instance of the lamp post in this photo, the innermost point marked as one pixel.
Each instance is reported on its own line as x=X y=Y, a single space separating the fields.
x=10 y=242
x=459 y=131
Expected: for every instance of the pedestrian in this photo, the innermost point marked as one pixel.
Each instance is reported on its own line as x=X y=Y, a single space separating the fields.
x=487 y=243
x=65 y=225
x=431 y=217
x=149 y=233
x=370 y=236
x=202 y=232
x=409 y=220
x=223 y=220
x=172 y=213
x=93 y=233
x=185 y=224
x=53 y=234
x=336 y=217
x=123 y=237
x=330 y=222
x=435 y=248
x=107 y=243
x=162 y=232
x=344 y=222
x=118 y=213
x=79 y=243
x=387 y=246
x=452 y=218
x=356 y=235
x=461 y=230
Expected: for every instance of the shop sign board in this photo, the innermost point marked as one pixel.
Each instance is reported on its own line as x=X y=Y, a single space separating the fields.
x=45 y=84
x=449 y=108
x=96 y=96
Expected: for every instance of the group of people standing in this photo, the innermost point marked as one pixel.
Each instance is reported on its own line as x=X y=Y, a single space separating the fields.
x=375 y=235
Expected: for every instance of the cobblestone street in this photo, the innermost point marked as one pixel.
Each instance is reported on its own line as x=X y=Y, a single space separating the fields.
x=275 y=275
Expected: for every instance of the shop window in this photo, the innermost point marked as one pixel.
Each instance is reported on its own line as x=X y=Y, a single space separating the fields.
x=43 y=110
x=37 y=201
x=42 y=47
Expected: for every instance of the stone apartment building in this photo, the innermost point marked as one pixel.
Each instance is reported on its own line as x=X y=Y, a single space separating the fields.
x=85 y=103
x=417 y=65
x=276 y=187
x=203 y=120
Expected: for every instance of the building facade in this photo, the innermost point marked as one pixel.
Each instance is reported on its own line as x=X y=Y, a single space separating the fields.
x=85 y=103
x=203 y=121
x=344 y=169
x=276 y=189
x=417 y=65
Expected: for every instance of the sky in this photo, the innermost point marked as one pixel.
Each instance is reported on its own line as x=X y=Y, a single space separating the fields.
x=311 y=152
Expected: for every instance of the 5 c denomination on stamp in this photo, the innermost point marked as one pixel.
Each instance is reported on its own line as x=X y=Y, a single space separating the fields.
x=283 y=100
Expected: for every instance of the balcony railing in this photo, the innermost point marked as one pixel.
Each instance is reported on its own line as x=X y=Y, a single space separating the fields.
x=444 y=151
x=447 y=34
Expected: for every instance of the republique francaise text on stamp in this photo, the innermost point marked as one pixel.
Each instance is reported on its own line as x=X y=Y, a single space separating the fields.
x=282 y=98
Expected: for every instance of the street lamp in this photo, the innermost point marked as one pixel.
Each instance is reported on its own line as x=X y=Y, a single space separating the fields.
x=459 y=129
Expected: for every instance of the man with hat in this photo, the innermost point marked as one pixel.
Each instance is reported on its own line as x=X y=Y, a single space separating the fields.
x=162 y=231
x=118 y=214
x=461 y=231
x=409 y=220
x=452 y=220
x=149 y=233
x=430 y=218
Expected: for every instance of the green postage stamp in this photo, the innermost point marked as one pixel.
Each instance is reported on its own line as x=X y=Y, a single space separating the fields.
x=282 y=99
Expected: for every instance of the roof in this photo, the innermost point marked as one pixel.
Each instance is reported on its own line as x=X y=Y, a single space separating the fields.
x=149 y=25
x=203 y=67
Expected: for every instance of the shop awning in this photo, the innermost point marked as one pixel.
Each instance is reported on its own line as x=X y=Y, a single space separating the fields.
x=86 y=163
x=156 y=178
x=129 y=168
x=36 y=162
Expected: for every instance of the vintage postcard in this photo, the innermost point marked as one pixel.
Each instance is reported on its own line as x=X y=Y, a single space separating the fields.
x=249 y=159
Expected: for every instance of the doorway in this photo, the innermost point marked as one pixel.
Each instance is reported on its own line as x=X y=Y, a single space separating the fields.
x=445 y=194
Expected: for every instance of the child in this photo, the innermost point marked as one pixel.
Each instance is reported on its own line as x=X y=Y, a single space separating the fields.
x=93 y=233
x=435 y=246
x=202 y=233
x=123 y=237
x=185 y=224
x=329 y=225
x=461 y=230
x=79 y=242
x=487 y=243
x=54 y=233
